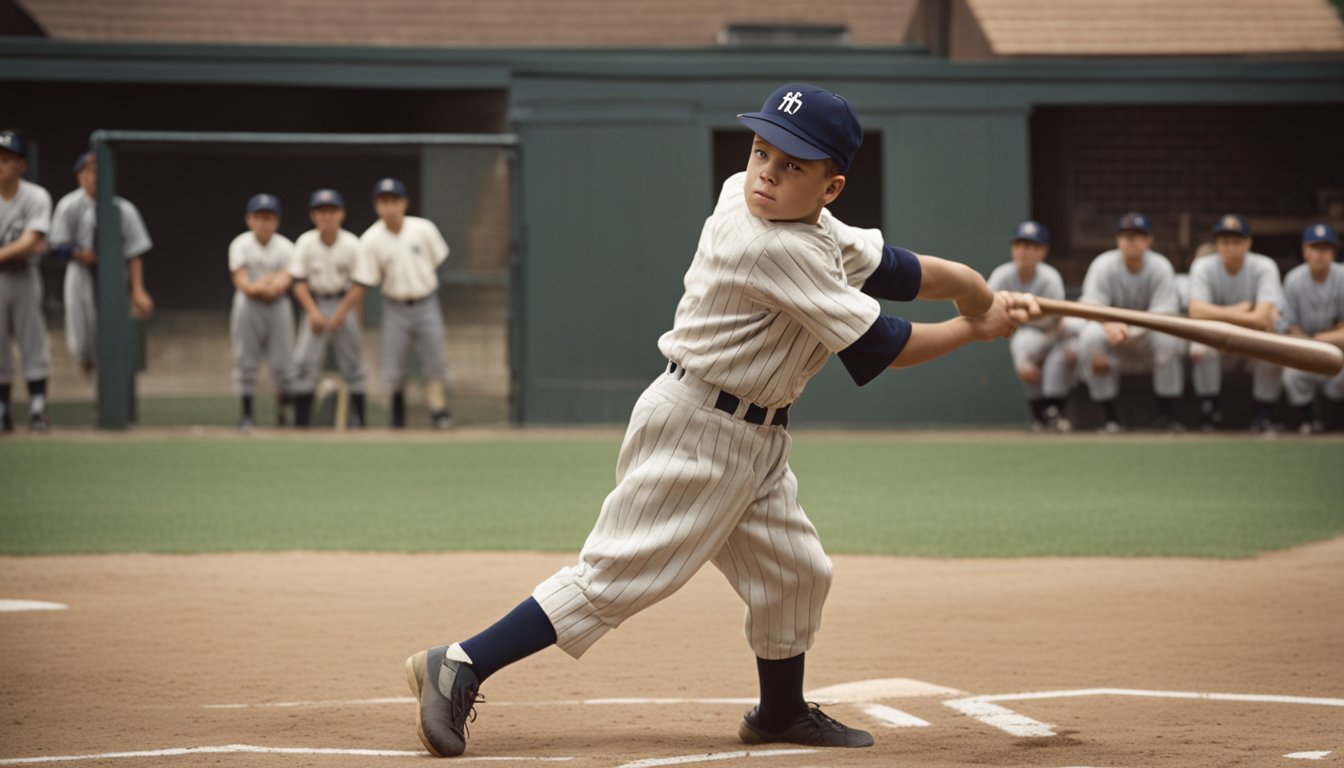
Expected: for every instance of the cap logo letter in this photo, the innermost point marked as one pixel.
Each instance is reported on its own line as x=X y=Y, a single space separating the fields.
x=793 y=101
x=1320 y=231
x=1028 y=228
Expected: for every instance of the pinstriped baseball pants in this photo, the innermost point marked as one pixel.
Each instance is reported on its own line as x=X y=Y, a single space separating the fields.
x=696 y=485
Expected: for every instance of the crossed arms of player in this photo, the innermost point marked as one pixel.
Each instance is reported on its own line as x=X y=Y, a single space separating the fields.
x=268 y=286
x=30 y=243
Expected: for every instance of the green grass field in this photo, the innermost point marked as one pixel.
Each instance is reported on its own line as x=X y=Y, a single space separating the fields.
x=871 y=494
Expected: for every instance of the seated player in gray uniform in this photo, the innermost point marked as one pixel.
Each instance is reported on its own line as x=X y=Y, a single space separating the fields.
x=1240 y=287
x=402 y=254
x=1313 y=307
x=1044 y=356
x=1131 y=276
x=324 y=262
x=262 y=320
x=72 y=231
x=776 y=286
x=25 y=218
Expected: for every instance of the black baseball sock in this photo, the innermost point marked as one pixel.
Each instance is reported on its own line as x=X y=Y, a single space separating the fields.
x=303 y=406
x=398 y=409
x=247 y=406
x=1037 y=409
x=357 y=408
x=1308 y=414
x=1166 y=407
x=524 y=631
x=1263 y=410
x=37 y=396
x=4 y=401
x=1109 y=408
x=781 y=692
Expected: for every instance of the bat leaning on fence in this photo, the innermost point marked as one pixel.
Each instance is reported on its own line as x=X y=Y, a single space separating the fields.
x=1291 y=351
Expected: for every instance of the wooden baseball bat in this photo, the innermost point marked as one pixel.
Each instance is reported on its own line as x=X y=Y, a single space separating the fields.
x=1290 y=351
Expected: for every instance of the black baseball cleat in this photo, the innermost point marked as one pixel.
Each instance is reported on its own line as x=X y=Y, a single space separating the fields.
x=447 y=693
x=813 y=728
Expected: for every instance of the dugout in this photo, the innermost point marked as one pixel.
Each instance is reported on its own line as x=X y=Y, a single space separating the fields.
x=620 y=151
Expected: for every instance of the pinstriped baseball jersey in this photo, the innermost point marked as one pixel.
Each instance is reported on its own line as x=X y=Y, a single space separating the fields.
x=766 y=303
x=326 y=268
x=1314 y=307
x=1257 y=281
x=403 y=263
x=246 y=251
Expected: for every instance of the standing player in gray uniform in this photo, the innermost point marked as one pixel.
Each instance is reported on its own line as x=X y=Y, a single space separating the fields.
x=324 y=263
x=262 y=320
x=402 y=253
x=25 y=218
x=1314 y=308
x=776 y=287
x=72 y=231
x=1239 y=287
x=1043 y=356
x=1131 y=276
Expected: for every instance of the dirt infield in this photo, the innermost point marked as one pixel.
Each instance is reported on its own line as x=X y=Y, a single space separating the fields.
x=303 y=652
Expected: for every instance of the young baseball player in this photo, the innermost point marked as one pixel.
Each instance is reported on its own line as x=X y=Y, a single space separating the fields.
x=324 y=262
x=1240 y=287
x=262 y=321
x=777 y=285
x=25 y=218
x=72 y=231
x=1043 y=356
x=401 y=253
x=1131 y=276
x=1314 y=307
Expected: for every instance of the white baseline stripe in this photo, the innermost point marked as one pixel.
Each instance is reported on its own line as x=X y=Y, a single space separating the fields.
x=713 y=757
x=894 y=717
x=1001 y=717
x=250 y=749
x=30 y=605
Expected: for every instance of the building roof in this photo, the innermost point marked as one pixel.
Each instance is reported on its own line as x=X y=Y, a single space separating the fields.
x=457 y=23
x=1158 y=27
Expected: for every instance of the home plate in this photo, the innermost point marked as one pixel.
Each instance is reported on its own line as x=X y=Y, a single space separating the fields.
x=30 y=605
x=876 y=690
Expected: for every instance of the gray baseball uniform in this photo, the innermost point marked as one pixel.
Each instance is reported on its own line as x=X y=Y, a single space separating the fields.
x=1257 y=281
x=703 y=473
x=1043 y=342
x=1313 y=307
x=21 y=317
x=403 y=264
x=328 y=270
x=73 y=225
x=1109 y=282
x=261 y=328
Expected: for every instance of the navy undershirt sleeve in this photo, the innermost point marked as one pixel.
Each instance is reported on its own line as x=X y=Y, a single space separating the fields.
x=897 y=277
x=875 y=351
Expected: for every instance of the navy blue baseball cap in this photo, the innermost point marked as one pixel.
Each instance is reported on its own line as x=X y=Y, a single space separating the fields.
x=326 y=197
x=1033 y=231
x=83 y=160
x=11 y=141
x=1134 y=222
x=264 y=202
x=389 y=186
x=809 y=123
x=1232 y=224
x=1320 y=233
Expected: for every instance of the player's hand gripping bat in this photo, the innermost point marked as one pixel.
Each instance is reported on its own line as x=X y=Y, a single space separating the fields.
x=1289 y=351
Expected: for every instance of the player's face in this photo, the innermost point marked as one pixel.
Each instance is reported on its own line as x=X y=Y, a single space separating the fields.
x=263 y=224
x=1028 y=253
x=12 y=167
x=1319 y=257
x=781 y=187
x=390 y=208
x=327 y=218
x=1233 y=249
x=88 y=179
x=1133 y=244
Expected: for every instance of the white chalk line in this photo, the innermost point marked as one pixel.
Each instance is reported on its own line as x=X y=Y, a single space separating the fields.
x=653 y=762
x=7 y=606
x=983 y=709
x=230 y=749
x=1308 y=755
x=894 y=718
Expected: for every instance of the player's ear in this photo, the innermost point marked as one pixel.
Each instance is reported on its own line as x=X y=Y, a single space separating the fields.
x=834 y=186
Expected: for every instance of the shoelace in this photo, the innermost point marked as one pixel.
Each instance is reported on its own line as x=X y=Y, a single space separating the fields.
x=467 y=699
x=815 y=714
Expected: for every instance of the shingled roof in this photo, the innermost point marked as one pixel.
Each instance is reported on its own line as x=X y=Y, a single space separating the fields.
x=1158 y=27
x=458 y=23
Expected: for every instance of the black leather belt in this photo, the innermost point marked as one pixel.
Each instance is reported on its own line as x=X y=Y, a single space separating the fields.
x=728 y=403
x=410 y=302
x=337 y=295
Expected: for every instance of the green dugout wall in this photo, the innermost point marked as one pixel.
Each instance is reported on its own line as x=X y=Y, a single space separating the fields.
x=615 y=175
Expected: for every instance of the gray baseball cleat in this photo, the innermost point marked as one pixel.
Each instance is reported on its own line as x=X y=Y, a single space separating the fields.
x=813 y=728
x=447 y=693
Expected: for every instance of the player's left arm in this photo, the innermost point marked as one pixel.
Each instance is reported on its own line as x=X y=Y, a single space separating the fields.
x=30 y=243
x=141 y=303
x=946 y=280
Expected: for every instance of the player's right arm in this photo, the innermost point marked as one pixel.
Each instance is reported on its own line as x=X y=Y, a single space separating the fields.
x=243 y=282
x=945 y=280
x=305 y=297
x=29 y=243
